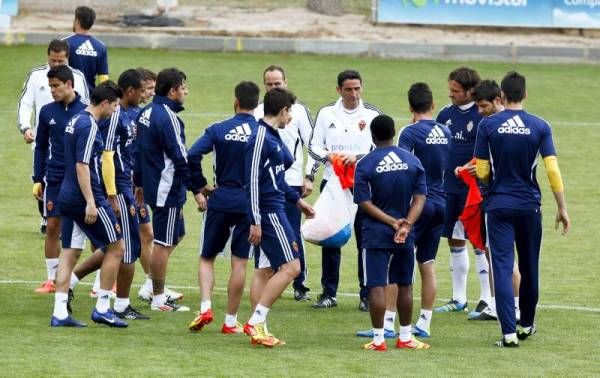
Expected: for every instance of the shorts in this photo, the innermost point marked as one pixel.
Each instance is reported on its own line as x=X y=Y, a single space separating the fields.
x=51 y=192
x=129 y=227
x=388 y=266
x=218 y=227
x=106 y=230
x=143 y=214
x=278 y=244
x=428 y=231
x=168 y=225
x=453 y=228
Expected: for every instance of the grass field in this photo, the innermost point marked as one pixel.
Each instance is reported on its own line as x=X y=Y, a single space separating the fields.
x=320 y=343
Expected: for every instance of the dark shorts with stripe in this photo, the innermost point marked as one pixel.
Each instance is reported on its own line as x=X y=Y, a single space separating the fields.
x=278 y=245
x=453 y=228
x=428 y=231
x=388 y=266
x=106 y=230
x=129 y=227
x=168 y=225
x=51 y=192
x=217 y=227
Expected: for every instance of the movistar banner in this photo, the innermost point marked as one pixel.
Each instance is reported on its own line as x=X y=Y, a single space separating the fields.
x=532 y=13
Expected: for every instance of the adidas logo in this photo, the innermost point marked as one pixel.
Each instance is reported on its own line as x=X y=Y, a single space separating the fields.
x=239 y=134
x=449 y=122
x=145 y=118
x=436 y=136
x=52 y=122
x=514 y=125
x=332 y=126
x=391 y=162
x=423 y=317
x=86 y=49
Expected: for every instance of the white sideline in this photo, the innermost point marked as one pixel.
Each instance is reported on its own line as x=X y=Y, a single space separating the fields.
x=351 y=295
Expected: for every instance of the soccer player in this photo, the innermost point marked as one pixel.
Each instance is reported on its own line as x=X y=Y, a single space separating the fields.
x=462 y=119
x=48 y=160
x=85 y=210
x=162 y=174
x=430 y=142
x=295 y=136
x=389 y=186
x=226 y=215
x=87 y=54
x=488 y=97
x=35 y=94
x=508 y=144
x=341 y=130
x=267 y=158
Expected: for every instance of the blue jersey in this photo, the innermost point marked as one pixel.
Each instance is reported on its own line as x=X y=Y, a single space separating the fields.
x=88 y=55
x=430 y=142
x=118 y=133
x=160 y=155
x=228 y=140
x=388 y=177
x=267 y=158
x=512 y=140
x=463 y=127
x=83 y=144
x=49 y=139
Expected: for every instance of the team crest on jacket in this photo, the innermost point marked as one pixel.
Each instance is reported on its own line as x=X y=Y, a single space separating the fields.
x=50 y=205
x=362 y=124
x=118 y=228
x=295 y=246
x=132 y=211
x=143 y=212
x=470 y=126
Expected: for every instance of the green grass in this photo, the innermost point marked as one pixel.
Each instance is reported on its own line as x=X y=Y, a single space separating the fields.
x=319 y=342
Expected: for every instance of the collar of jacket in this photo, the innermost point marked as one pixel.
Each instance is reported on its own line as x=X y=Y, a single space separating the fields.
x=173 y=105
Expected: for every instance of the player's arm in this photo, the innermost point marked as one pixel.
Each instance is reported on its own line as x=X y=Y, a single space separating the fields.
x=84 y=147
x=80 y=86
x=175 y=149
x=108 y=161
x=25 y=110
x=305 y=128
x=316 y=144
x=103 y=67
x=256 y=154
x=201 y=147
x=482 y=154
x=40 y=153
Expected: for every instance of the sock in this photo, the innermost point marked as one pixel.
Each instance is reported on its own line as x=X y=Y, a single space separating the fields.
x=405 y=334
x=378 y=336
x=121 y=304
x=159 y=299
x=460 y=267
x=148 y=284
x=103 y=302
x=74 y=281
x=259 y=315
x=492 y=304
x=483 y=272
x=526 y=329
x=517 y=303
x=424 y=321
x=96 y=286
x=205 y=306
x=389 y=320
x=60 y=305
x=230 y=320
x=51 y=267
x=511 y=337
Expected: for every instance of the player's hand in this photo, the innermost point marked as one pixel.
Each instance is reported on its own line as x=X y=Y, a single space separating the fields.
x=562 y=217
x=139 y=196
x=207 y=190
x=91 y=213
x=471 y=168
x=306 y=209
x=402 y=228
x=349 y=159
x=200 y=201
x=255 y=235
x=28 y=136
x=37 y=191
x=112 y=199
x=307 y=188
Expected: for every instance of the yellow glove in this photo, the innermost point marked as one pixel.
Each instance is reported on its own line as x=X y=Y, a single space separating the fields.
x=37 y=190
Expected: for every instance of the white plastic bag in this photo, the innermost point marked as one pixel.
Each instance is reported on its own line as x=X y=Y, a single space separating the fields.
x=334 y=216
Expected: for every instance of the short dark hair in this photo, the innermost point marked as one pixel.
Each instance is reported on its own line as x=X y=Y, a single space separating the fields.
x=62 y=73
x=514 y=87
x=130 y=79
x=168 y=79
x=383 y=128
x=247 y=92
x=487 y=90
x=467 y=77
x=107 y=90
x=420 y=98
x=86 y=17
x=348 y=75
x=277 y=99
x=146 y=74
x=57 y=45
x=273 y=67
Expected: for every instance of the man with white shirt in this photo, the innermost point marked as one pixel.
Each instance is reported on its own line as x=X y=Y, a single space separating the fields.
x=295 y=136
x=341 y=129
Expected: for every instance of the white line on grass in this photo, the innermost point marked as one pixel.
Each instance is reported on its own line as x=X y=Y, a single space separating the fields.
x=351 y=295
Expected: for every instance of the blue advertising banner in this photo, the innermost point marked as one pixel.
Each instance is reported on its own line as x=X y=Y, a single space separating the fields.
x=9 y=7
x=527 y=13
